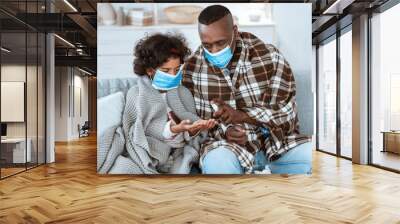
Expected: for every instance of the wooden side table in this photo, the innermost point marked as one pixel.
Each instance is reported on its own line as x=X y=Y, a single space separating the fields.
x=391 y=141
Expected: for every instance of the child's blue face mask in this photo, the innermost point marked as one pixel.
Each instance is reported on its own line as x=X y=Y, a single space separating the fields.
x=221 y=58
x=166 y=81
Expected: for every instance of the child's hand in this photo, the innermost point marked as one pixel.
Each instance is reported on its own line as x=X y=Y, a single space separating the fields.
x=193 y=128
x=201 y=125
x=183 y=126
x=206 y=124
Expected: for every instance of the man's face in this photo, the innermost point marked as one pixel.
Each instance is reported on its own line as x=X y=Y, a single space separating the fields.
x=216 y=36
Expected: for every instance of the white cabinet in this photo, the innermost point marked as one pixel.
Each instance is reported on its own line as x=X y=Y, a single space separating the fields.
x=16 y=147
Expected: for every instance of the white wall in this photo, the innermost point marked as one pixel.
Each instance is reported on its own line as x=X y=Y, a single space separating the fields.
x=61 y=103
x=80 y=83
x=294 y=35
x=13 y=101
x=33 y=126
x=293 y=30
x=12 y=73
x=67 y=80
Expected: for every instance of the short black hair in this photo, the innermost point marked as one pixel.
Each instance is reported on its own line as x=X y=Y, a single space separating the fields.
x=154 y=50
x=213 y=13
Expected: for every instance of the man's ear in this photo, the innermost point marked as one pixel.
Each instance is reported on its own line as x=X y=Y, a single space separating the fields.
x=235 y=33
x=235 y=30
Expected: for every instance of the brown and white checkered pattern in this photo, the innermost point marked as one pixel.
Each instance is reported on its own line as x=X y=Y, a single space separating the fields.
x=259 y=81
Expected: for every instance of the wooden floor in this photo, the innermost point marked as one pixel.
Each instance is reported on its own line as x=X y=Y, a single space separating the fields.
x=10 y=171
x=387 y=159
x=70 y=191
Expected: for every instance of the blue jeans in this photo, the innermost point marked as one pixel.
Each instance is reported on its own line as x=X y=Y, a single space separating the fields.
x=223 y=161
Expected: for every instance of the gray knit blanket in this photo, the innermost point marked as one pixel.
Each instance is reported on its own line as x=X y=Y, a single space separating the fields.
x=138 y=147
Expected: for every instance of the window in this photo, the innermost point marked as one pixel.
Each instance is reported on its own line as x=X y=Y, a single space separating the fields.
x=22 y=75
x=327 y=97
x=385 y=89
x=346 y=94
x=333 y=137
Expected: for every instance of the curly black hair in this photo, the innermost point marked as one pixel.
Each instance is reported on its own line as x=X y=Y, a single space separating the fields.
x=154 y=50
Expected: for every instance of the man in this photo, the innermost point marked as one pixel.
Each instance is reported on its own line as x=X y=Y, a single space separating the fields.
x=253 y=89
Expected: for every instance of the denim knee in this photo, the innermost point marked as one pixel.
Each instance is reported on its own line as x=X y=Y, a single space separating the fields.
x=296 y=161
x=221 y=161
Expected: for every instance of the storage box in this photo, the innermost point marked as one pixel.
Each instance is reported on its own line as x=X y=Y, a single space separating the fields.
x=140 y=17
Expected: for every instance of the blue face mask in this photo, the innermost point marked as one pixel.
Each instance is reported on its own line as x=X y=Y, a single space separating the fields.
x=165 y=81
x=220 y=59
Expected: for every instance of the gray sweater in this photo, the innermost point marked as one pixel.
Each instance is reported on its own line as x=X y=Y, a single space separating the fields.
x=144 y=149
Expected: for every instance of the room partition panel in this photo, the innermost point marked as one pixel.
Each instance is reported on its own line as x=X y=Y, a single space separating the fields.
x=22 y=77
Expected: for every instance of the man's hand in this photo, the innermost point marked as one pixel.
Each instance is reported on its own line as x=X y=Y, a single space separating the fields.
x=236 y=134
x=231 y=116
x=227 y=114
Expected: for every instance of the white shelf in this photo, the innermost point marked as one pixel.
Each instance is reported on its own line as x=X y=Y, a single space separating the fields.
x=171 y=26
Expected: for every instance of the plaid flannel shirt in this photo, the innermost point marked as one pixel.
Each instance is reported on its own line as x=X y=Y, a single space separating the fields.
x=258 y=81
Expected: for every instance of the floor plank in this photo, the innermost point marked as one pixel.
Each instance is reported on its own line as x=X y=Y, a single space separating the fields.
x=70 y=191
x=387 y=159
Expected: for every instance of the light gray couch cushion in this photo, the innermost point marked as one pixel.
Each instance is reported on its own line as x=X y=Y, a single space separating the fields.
x=106 y=87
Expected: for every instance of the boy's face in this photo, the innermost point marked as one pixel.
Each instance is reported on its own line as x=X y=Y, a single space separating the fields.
x=171 y=67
